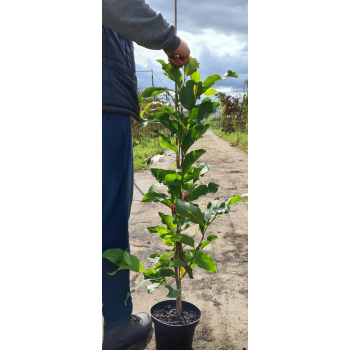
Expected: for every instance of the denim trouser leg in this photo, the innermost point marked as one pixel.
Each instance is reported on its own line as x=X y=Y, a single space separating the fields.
x=117 y=192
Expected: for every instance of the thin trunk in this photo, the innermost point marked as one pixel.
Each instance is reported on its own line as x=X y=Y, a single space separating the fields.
x=178 y=283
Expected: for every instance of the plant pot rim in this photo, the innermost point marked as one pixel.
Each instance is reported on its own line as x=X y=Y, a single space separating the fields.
x=176 y=325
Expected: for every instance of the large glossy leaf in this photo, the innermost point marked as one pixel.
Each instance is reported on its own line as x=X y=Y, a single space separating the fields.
x=172 y=180
x=188 y=96
x=203 y=190
x=167 y=220
x=114 y=255
x=189 y=210
x=210 y=81
x=190 y=158
x=173 y=293
x=191 y=66
x=172 y=72
x=152 y=91
x=133 y=262
x=205 y=262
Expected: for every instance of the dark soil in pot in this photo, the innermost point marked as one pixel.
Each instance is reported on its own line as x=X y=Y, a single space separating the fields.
x=173 y=332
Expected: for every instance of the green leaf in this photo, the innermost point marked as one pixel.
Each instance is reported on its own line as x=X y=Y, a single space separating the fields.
x=114 y=255
x=155 y=258
x=133 y=290
x=154 y=187
x=173 y=293
x=167 y=220
x=190 y=158
x=210 y=212
x=173 y=126
x=172 y=179
x=177 y=262
x=196 y=76
x=205 y=108
x=153 y=197
x=200 y=170
x=152 y=287
x=191 y=66
x=166 y=202
x=209 y=239
x=210 y=92
x=151 y=274
x=191 y=211
x=166 y=273
x=229 y=73
x=188 y=96
x=185 y=239
x=210 y=81
x=203 y=190
x=196 y=132
x=234 y=199
x=168 y=110
x=112 y=273
x=165 y=142
x=152 y=91
x=205 y=262
x=133 y=262
x=172 y=72
x=175 y=192
x=157 y=229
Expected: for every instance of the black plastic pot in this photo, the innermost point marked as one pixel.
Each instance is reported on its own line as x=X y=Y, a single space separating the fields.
x=174 y=337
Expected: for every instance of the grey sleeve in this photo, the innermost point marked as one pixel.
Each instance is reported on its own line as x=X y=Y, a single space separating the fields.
x=137 y=21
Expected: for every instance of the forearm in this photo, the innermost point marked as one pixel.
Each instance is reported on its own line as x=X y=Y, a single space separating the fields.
x=137 y=21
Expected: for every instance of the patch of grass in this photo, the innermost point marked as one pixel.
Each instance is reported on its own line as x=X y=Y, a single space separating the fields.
x=237 y=138
x=148 y=147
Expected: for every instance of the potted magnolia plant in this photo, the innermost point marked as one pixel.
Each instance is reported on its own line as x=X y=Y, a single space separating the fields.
x=175 y=320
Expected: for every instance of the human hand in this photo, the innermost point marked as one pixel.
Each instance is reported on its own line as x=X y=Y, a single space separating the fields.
x=180 y=56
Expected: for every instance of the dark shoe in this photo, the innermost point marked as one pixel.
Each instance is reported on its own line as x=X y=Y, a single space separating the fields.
x=127 y=333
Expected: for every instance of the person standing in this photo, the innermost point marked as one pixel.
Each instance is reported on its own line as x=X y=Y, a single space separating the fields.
x=124 y=21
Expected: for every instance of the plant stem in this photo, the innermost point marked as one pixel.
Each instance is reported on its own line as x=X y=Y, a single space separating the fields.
x=178 y=281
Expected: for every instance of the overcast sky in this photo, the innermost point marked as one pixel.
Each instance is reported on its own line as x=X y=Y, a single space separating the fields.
x=217 y=34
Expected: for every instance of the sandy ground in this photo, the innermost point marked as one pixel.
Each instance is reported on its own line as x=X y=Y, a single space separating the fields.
x=223 y=296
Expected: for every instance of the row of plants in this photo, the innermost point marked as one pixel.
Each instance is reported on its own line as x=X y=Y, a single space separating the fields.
x=183 y=252
x=234 y=116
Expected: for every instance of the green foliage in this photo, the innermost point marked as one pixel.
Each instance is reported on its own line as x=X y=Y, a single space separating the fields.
x=183 y=125
x=239 y=139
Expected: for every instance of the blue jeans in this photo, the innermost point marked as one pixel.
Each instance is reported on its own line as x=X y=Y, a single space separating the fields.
x=117 y=192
